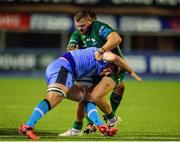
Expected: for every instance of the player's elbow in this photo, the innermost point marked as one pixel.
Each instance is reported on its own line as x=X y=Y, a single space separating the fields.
x=118 y=39
x=113 y=58
x=115 y=37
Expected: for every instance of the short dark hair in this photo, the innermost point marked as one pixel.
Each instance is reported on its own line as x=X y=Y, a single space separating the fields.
x=92 y=14
x=84 y=13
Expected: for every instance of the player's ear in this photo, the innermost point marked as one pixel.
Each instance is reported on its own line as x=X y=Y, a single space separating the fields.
x=89 y=19
x=75 y=20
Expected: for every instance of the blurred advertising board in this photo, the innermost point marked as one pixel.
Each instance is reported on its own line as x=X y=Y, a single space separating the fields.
x=64 y=22
x=171 y=24
x=51 y=22
x=139 y=24
x=61 y=22
x=110 y=19
x=22 y=60
x=143 y=63
x=154 y=63
x=9 y=21
x=170 y=3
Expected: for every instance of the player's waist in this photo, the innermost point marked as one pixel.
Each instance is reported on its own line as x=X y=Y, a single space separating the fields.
x=70 y=59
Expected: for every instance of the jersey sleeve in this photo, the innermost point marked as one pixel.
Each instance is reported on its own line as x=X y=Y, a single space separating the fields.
x=74 y=39
x=104 y=30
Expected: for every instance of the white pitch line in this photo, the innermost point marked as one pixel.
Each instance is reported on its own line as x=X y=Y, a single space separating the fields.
x=128 y=138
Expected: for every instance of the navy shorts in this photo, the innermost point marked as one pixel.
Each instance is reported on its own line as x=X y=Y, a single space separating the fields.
x=59 y=71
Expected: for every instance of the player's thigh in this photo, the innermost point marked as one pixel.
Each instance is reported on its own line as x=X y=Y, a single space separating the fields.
x=75 y=93
x=103 y=87
x=78 y=93
x=81 y=89
x=59 y=80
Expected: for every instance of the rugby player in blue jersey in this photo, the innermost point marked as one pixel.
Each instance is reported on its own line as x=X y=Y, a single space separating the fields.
x=60 y=76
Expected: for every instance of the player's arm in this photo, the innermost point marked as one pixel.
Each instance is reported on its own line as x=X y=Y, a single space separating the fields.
x=111 y=57
x=73 y=42
x=113 y=40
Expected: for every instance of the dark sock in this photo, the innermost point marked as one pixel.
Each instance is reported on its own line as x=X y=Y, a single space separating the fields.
x=110 y=116
x=78 y=125
x=115 y=101
x=88 y=120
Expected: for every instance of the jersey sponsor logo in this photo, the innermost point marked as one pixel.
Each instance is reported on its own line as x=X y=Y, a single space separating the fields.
x=100 y=29
x=89 y=42
x=103 y=31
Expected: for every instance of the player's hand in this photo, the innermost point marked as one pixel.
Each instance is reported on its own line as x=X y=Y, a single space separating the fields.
x=135 y=76
x=98 y=56
x=74 y=47
x=105 y=72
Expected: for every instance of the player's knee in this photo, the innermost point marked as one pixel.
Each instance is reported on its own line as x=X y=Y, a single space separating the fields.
x=119 y=90
x=55 y=96
x=95 y=98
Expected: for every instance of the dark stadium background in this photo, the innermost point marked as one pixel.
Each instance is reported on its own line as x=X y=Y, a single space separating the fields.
x=150 y=31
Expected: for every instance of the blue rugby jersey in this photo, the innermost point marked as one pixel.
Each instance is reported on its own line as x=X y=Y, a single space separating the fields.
x=77 y=64
x=84 y=63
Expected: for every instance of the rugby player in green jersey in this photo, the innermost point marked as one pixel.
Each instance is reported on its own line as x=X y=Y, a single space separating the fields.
x=90 y=32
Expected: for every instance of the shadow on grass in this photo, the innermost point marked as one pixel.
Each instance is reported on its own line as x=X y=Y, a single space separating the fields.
x=13 y=134
x=9 y=134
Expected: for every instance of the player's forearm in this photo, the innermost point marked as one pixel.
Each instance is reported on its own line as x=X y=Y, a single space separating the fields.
x=123 y=65
x=110 y=57
x=127 y=68
x=113 y=41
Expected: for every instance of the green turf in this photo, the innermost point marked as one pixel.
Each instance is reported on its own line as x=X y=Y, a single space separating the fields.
x=149 y=110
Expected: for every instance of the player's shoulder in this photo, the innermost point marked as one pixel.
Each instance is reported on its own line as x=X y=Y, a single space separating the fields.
x=100 y=23
x=99 y=26
x=75 y=35
x=75 y=32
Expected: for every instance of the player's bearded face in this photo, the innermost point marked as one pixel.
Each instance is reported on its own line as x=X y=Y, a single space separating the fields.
x=83 y=25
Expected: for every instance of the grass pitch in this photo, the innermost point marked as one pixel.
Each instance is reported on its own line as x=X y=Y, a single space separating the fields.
x=149 y=111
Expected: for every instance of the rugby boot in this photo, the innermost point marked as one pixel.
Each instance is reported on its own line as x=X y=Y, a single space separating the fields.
x=114 y=123
x=106 y=131
x=71 y=132
x=29 y=132
x=91 y=128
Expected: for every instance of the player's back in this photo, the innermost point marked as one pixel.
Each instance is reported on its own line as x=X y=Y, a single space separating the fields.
x=85 y=62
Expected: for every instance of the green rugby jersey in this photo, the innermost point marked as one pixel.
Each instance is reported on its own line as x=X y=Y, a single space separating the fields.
x=97 y=37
